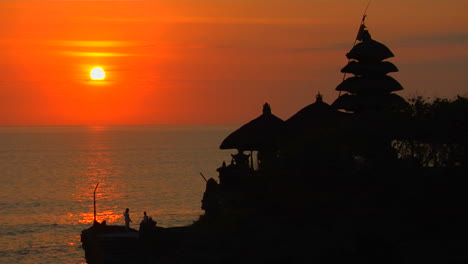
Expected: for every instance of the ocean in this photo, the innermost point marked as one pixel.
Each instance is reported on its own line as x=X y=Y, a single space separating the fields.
x=48 y=175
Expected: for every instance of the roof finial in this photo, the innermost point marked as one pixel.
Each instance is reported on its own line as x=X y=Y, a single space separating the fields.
x=318 y=97
x=266 y=109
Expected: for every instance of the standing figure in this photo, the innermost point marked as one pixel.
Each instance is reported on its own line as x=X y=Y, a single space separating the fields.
x=127 y=218
x=145 y=218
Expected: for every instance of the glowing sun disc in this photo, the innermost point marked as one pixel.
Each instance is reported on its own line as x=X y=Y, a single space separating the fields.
x=97 y=73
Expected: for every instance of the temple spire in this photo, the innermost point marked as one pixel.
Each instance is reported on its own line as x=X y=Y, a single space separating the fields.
x=266 y=109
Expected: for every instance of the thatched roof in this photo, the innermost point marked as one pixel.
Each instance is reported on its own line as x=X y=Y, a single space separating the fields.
x=369 y=50
x=354 y=102
x=369 y=68
x=370 y=85
x=262 y=133
x=316 y=129
x=313 y=115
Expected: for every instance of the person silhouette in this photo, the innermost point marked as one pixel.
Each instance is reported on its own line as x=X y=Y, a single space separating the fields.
x=145 y=218
x=127 y=218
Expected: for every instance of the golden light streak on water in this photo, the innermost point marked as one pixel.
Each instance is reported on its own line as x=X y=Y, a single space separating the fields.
x=109 y=216
x=52 y=172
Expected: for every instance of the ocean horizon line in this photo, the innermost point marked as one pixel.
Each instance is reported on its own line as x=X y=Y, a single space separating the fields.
x=81 y=128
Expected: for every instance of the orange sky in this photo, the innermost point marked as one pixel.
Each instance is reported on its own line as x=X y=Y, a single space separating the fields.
x=210 y=62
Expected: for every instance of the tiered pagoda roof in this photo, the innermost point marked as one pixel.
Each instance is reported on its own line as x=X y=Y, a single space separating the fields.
x=370 y=89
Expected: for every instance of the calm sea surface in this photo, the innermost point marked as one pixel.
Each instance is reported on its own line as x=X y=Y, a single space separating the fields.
x=48 y=175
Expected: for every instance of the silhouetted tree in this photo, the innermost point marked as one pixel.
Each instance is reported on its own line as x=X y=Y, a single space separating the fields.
x=436 y=132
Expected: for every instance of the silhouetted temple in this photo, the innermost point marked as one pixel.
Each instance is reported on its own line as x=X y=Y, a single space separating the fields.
x=342 y=176
x=319 y=136
x=365 y=179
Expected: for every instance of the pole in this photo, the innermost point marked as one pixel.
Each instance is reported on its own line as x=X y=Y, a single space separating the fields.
x=355 y=40
x=251 y=160
x=203 y=177
x=94 y=199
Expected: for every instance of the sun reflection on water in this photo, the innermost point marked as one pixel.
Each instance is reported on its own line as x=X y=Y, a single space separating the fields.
x=52 y=173
x=100 y=167
x=109 y=216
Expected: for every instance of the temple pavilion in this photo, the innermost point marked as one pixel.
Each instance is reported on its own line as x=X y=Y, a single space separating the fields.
x=262 y=135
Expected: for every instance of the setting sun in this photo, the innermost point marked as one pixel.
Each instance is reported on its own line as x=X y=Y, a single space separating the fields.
x=97 y=73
